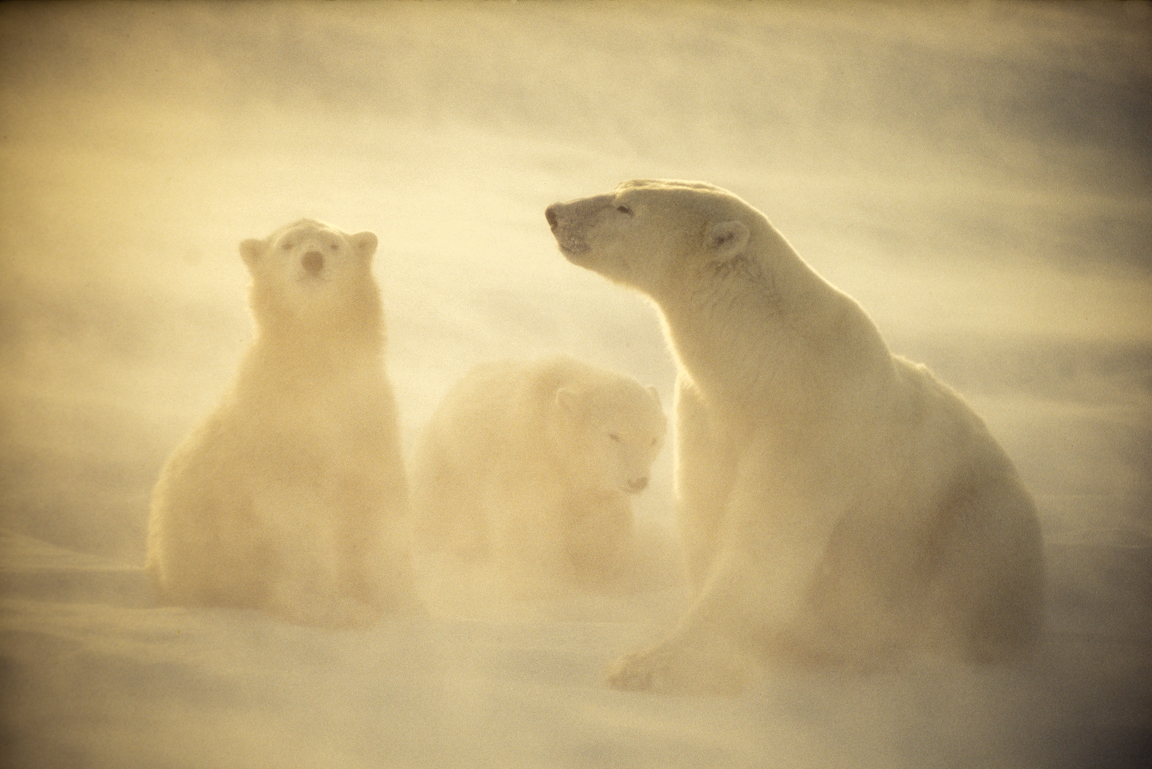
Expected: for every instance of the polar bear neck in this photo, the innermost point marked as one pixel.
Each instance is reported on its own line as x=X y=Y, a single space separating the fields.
x=305 y=367
x=304 y=345
x=322 y=342
x=771 y=307
x=354 y=326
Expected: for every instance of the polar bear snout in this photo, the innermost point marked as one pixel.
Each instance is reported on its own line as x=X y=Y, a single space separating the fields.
x=636 y=485
x=313 y=262
x=570 y=243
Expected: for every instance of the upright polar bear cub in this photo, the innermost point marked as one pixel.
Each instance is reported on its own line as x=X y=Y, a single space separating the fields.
x=836 y=503
x=529 y=466
x=288 y=498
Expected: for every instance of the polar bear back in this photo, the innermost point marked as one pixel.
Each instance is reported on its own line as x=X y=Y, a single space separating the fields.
x=505 y=411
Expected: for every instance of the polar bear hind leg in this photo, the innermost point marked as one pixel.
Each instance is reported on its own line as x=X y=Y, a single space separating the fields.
x=991 y=581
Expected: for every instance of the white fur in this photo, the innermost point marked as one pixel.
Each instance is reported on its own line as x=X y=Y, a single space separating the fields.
x=835 y=502
x=529 y=466
x=288 y=498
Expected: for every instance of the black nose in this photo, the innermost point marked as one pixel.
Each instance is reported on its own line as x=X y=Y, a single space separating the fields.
x=313 y=262
x=550 y=215
x=638 y=484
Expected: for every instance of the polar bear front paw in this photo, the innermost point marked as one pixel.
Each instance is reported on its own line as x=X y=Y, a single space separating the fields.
x=672 y=668
x=633 y=673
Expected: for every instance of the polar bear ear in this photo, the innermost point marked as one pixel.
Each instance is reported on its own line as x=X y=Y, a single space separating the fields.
x=567 y=400
x=363 y=244
x=251 y=250
x=726 y=240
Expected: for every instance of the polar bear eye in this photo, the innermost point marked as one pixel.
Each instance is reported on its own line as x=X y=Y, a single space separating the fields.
x=615 y=438
x=333 y=246
x=286 y=245
x=624 y=210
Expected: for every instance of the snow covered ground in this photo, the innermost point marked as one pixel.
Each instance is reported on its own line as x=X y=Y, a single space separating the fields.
x=978 y=175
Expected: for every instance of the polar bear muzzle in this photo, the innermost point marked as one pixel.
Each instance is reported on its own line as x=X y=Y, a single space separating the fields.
x=569 y=238
x=313 y=262
x=571 y=221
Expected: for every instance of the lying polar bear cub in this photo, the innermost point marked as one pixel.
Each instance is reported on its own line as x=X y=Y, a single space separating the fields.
x=529 y=466
x=835 y=502
x=289 y=498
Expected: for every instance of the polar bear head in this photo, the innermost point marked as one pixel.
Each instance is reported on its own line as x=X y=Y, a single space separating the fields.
x=312 y=273
x=609 y=433
x=646 y=233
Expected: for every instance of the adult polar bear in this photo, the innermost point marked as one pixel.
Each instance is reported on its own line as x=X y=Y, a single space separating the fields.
x=290 y=496
x=836 y=503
